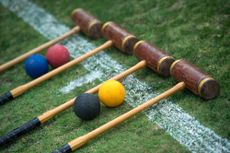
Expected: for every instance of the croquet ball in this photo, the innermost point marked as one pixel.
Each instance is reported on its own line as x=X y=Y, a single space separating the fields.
x=57 y=55
x=36 y=65
x=112 y=93
x=87 y=106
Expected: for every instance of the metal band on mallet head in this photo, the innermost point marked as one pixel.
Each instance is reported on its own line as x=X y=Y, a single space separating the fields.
x=88 y=24
x=156 y=59
x=120 y=37
x=195 y=80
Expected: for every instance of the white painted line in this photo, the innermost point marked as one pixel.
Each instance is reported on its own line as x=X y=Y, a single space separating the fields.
x=179 y=124
x=88 y=78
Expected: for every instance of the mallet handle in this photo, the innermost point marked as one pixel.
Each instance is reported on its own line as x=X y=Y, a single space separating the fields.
x=38 y=49
x=51 y=113
x=84 y=139
x=6 y=97
x=23 y=88
x=64 y=149
x=28 y=126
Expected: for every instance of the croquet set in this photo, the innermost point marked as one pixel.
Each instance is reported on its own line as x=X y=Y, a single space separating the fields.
x=111 y=92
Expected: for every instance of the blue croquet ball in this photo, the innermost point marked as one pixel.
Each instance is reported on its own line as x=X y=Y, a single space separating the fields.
x=36 y=65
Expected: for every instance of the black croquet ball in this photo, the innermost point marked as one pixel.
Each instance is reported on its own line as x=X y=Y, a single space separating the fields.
x=87 y=106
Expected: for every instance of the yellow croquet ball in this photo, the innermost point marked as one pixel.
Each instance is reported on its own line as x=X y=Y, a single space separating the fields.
x=111 y=93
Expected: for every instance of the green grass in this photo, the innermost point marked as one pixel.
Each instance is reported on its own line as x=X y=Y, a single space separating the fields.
x=194 y=30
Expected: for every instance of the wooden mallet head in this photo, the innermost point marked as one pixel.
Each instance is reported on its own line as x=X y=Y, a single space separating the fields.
x=87 y=23
x=122 y=39
x=195 y=80
x=157 y=59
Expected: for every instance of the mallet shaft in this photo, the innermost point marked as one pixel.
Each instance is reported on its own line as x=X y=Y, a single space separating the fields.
x=49 y=114
x=28 y=126
x=80 y=141
x=23 y=88
x=21 y=58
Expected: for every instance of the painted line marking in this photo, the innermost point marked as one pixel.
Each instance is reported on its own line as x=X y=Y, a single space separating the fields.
x=88 y=78
x=179 y=124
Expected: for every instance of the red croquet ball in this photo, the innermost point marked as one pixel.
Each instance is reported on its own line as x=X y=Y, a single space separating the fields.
x=57 y=55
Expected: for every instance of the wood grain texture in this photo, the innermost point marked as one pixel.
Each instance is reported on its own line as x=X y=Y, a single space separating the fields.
x=88 y=23
x=195 y=79
x=122 y=39
x=157 y=59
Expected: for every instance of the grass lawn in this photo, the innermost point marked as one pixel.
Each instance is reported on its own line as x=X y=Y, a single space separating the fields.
x=194 y=30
